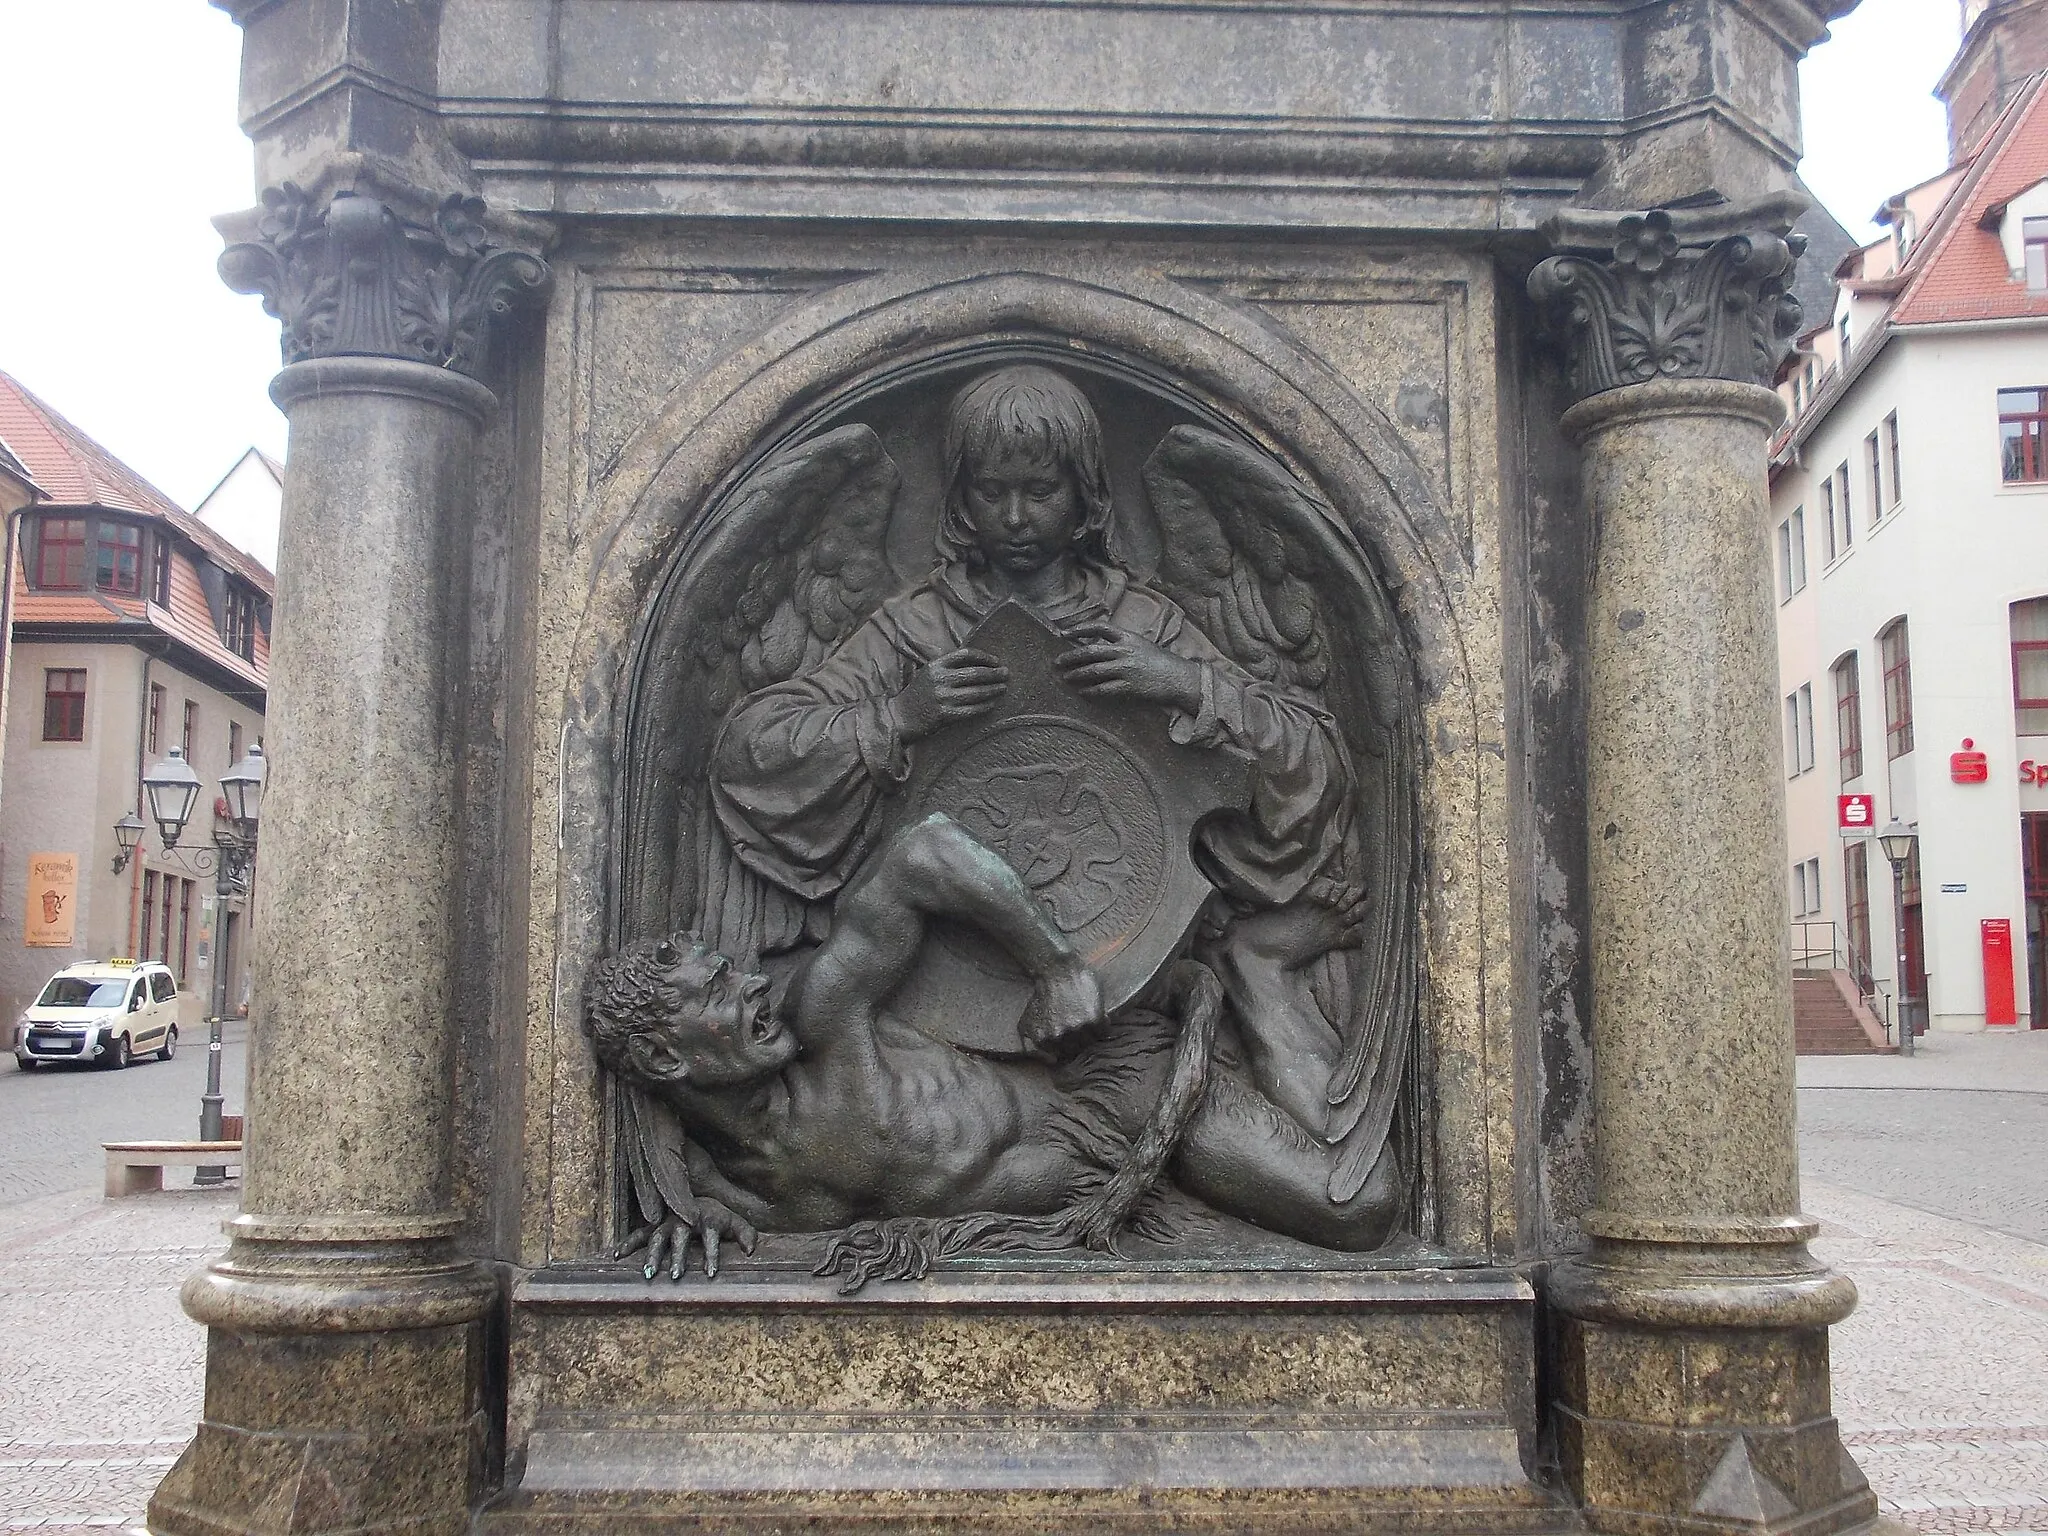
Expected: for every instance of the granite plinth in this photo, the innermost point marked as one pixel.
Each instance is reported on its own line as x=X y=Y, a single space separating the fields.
x=1021 y=1400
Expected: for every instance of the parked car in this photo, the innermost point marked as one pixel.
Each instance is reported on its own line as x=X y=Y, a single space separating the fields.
x=106 y=1012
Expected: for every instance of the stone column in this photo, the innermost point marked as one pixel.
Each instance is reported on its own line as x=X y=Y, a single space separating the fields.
x=1692 y=1360
x=345 y=1346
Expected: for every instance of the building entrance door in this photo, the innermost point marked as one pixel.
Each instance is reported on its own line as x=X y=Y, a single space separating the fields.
x=2034 y=863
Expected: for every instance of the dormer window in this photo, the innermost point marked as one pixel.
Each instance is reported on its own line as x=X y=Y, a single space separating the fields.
x=2034 y=245
x=60 y=554
x=119 y=565
x=239 y=632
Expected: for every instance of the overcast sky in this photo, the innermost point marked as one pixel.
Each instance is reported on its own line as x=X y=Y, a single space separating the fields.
x=118 y=142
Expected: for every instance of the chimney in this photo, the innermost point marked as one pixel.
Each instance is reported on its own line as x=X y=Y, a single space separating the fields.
x=2004 y=42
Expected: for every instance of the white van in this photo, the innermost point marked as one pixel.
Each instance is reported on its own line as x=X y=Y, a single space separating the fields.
x=106 y=1012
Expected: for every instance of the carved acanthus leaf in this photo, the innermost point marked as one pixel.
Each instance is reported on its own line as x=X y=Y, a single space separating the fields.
x=1672 y=295
x=358 y=279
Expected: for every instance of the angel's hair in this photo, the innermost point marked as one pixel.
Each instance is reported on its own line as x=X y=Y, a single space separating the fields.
x=1035 y=405
x=645 y=990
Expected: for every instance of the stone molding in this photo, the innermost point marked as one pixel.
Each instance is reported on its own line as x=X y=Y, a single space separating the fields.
x=322 y=376
x=358 y=278
x=1661 y=398
x=1672 y=294
x=312 y=1288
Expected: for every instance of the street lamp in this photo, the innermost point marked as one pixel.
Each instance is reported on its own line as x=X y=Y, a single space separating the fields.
x=173 y=790
x=128 y=833
x=1898 y=840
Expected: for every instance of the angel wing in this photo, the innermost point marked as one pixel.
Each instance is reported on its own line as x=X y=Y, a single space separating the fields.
x=796 y=564
x=1259 y=562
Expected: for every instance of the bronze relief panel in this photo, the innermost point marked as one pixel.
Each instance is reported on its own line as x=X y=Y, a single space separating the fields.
x=1021 y=847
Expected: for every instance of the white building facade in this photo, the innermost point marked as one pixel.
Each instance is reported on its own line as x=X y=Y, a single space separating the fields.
x=1910 y=512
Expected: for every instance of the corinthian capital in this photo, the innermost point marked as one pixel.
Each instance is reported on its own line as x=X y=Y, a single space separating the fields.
x=359 y=279
x=1672 y=294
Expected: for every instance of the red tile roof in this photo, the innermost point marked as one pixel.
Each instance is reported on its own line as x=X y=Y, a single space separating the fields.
x=75 y=471
x=1963 y=275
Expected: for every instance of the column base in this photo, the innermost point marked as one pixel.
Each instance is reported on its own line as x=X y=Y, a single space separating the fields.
x=1692 y=1391
x=345 y=1387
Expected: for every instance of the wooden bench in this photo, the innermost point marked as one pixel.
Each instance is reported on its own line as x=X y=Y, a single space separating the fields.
x=136 y=1167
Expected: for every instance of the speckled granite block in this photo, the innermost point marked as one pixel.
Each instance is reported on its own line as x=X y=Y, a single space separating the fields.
x=363 y=1434
x=1014 y=1401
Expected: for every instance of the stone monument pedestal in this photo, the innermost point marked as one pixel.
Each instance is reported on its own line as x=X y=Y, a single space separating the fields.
x=1422 y=356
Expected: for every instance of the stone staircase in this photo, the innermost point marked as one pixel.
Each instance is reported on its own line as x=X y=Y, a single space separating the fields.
x=1824 y=1023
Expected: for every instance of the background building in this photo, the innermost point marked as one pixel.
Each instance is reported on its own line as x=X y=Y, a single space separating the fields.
x=134 y=628
x=1910 y=503
x=245 y=504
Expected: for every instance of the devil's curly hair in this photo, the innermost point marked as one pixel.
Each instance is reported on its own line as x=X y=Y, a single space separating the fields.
x=642 y=989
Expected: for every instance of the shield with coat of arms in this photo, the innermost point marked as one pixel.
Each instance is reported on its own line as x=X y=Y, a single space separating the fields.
x=1093 y=805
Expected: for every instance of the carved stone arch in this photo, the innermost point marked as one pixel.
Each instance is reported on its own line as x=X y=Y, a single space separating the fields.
x=1228 y=366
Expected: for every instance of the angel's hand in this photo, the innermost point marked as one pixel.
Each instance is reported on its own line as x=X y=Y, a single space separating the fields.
x=1064 y=1003
x=709 y=1222
x=1111 y=663
x=957 y=686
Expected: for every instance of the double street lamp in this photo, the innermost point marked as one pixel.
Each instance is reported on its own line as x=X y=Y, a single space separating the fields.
x=1898 y=841
x=173 y=790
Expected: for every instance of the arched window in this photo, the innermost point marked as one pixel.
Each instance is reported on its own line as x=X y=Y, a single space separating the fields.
x=1896 y=658
x=1848 y=717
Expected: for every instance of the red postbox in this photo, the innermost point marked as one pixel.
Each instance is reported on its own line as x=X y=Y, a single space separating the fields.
x=1996 y=933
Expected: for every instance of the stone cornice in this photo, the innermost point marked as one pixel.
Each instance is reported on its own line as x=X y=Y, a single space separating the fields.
x=359 y=278
x=1672 y=293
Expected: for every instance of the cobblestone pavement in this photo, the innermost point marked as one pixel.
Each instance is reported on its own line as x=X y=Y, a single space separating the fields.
x=1941 y=1375
x=1960 y=1130
x=53 y=1119
x=1931 y=1179
x=102 y=1370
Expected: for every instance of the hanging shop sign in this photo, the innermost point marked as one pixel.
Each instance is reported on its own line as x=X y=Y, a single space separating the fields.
x=51 y=919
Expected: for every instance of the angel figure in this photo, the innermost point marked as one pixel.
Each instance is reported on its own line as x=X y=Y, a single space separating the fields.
x=831 y=687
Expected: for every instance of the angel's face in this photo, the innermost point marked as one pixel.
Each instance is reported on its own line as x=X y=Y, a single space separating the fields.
x=1023 y=505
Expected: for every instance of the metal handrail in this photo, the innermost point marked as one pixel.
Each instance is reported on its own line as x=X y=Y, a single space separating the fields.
x=1807 y=947
x=1823 y=945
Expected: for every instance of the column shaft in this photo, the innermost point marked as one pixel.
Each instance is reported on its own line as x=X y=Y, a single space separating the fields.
x=352 y=1073
x=1692 y=1350
x=345 y=1362
x=1691 y=980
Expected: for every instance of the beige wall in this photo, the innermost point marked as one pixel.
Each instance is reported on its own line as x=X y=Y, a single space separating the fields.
x=64 y=797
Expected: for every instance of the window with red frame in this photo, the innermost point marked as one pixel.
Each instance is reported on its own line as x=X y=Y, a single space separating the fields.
x=2023 y=434
x=60 y=553
x=2030 y=667
x=119 y=563
x=240 y=631
x=64 y=704
x=1848 y=718
x=1896 y=657
x=1856 y=908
